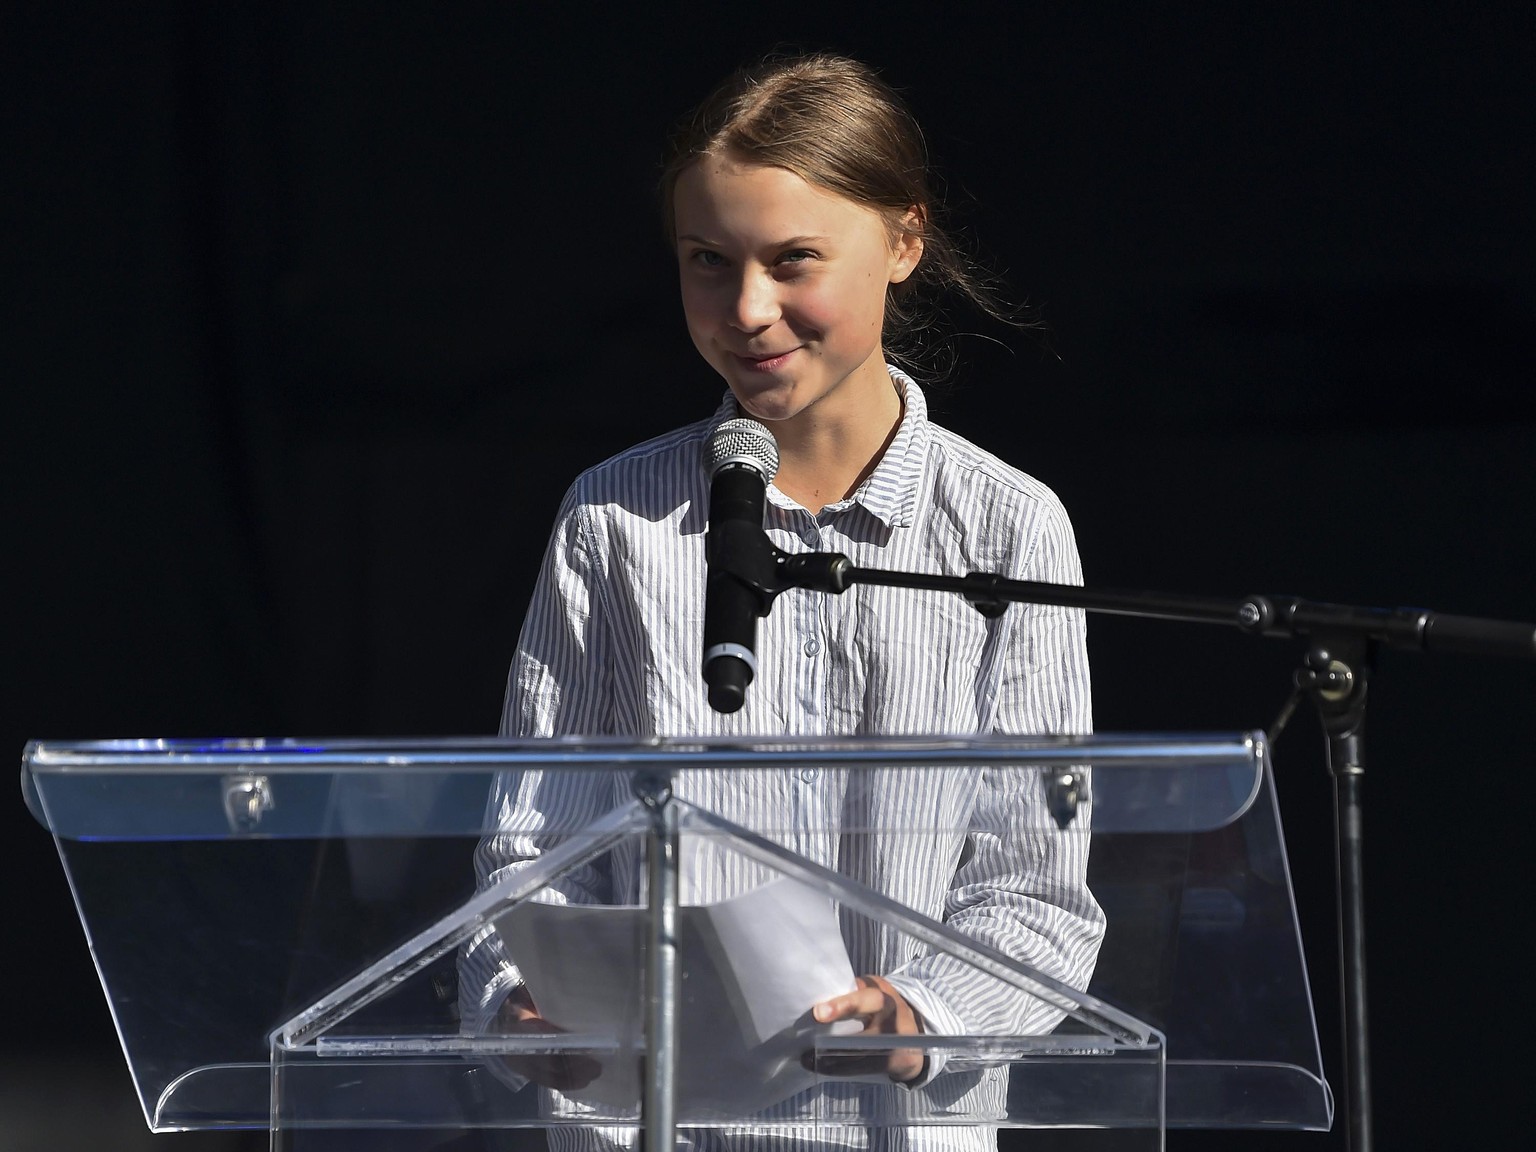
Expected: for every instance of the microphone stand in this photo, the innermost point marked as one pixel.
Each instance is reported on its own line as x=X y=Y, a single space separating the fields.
x=1335 y=674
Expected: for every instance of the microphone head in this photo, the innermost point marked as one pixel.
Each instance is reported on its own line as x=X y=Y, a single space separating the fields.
x=742 y=442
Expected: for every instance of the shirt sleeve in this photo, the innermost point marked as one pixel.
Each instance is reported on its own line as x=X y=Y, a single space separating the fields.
x=1022 y=887
x=558 y=685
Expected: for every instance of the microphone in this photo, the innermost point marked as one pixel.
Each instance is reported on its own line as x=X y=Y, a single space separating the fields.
x=741 y=457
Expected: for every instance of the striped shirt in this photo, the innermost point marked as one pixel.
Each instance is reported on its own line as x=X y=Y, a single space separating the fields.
x=611 y=646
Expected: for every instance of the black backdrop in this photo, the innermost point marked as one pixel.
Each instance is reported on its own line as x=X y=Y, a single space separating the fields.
x=311 y=314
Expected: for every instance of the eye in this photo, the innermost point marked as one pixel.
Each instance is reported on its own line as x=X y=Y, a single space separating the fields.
x=706 y=258
x=797 y=256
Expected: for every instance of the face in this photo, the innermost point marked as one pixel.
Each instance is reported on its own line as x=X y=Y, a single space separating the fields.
x=784 y=286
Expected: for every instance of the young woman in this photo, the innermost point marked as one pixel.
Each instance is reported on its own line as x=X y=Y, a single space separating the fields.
x=807 y=242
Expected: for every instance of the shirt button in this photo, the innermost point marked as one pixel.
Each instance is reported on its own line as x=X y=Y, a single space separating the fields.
x=808 y=775
x=812 y=646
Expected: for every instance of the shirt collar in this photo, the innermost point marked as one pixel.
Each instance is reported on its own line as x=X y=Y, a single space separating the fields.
x=889 y=493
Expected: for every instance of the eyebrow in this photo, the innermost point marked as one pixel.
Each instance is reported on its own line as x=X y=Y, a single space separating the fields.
x=792 y=242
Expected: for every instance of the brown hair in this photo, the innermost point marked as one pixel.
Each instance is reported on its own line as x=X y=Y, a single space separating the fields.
x=834 y=123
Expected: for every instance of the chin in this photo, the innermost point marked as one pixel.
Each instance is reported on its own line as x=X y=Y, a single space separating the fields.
x=767 y=405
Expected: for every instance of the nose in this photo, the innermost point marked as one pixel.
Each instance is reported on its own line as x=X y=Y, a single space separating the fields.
x=756 y=303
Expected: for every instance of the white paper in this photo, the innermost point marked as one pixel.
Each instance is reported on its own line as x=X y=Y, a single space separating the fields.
x=751 y=969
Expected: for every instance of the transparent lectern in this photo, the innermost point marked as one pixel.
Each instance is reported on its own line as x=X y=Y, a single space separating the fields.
x=281 y=929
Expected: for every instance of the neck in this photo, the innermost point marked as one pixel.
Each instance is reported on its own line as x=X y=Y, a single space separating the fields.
x=823 y=459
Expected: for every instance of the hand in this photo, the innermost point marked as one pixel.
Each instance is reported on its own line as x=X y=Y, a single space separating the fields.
x=884 y=1011
x=564 y=1071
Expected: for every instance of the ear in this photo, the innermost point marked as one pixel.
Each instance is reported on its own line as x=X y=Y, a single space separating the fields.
x=906 y=244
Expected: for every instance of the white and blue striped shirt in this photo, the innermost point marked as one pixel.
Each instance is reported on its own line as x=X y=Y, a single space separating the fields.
x=611 y=646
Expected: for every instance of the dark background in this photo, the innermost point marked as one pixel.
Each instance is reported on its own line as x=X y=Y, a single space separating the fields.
x=311 y=313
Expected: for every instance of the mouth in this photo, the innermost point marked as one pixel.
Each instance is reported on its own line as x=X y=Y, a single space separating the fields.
x=765 y=363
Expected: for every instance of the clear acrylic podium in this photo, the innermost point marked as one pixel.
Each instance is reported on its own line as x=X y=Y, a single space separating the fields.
x=277 y=925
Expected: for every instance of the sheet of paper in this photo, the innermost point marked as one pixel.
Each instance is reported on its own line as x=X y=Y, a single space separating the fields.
x=751 y=968
x=786 y=947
